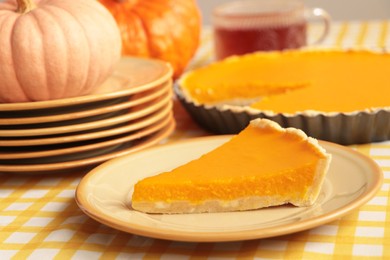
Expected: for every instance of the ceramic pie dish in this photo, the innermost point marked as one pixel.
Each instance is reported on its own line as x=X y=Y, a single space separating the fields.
x=335 y=95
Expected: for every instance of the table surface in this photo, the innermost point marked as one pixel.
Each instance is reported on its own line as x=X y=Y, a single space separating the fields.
x=39 y=218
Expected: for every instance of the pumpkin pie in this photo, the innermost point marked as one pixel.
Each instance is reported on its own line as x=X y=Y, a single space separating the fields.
x=323 y=92
x=296 y=81
x=264 y=165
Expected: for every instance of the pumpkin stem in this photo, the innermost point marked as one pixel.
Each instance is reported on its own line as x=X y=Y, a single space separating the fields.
x=25 y=6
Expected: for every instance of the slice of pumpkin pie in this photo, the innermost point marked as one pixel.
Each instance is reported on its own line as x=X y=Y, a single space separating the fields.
x=264 y=165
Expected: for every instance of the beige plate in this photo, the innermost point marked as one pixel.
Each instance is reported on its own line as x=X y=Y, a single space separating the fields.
x=131 y=147
x=87 y=115
x=104 y=194
x=80 y=150
x=132 y=114
x=128 y=127
x=131 y=75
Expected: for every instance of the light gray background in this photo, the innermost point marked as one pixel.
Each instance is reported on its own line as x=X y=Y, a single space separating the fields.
x=340 y=10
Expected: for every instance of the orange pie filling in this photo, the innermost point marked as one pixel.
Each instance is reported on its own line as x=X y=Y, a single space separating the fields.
x=295 y=81
x=265 y=165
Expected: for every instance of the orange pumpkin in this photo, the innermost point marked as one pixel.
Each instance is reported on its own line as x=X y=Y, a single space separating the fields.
x=52 y=49
x=163 y=29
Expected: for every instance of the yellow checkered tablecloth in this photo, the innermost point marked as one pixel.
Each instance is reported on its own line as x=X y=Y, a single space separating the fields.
x=39 y=218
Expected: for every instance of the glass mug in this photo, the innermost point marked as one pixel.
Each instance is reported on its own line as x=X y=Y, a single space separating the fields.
x=242 y=27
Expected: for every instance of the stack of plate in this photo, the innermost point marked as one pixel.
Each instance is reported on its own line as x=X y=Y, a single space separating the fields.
x=130 y=111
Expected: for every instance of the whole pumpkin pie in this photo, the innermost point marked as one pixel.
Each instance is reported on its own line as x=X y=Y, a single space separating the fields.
x=336 y=95
x=296 y=81
x=264 y=165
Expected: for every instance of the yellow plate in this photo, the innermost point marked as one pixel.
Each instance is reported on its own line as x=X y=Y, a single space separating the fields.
x=131 y=75
x=73 y=166
x=81 y=149
x=104 y=194
x=115 y=119
x=95 y=134
x=68 y=117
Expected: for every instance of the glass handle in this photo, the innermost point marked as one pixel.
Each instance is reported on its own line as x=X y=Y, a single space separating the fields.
x=324 y=17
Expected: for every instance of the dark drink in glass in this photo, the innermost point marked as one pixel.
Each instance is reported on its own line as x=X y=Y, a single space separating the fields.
x=247 y=26
x=238 y=41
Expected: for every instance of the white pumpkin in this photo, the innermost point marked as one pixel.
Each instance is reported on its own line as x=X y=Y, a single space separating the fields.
x=53 y=49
